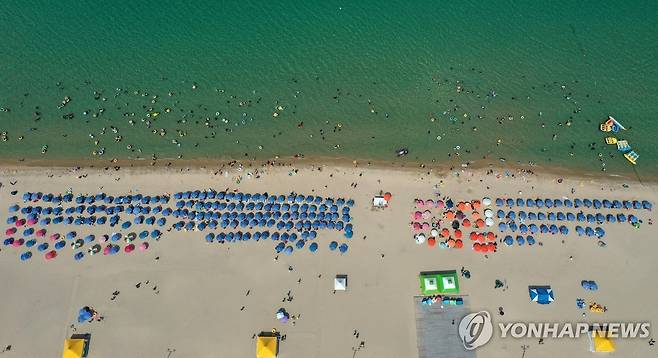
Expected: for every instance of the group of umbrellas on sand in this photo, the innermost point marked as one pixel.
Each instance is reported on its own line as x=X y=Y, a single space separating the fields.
x=292 y=220
x=447 y=225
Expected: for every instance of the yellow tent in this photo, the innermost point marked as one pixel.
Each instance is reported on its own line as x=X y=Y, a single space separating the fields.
x=602 y=343
x=266 y=347
x=73 y=348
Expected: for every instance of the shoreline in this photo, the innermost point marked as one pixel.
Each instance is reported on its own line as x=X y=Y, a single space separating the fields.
x=325 y=162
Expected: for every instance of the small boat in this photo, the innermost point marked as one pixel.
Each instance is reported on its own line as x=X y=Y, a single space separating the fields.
x=610 y=140
x=623 y=146
x=402 y=152
x=632 y=157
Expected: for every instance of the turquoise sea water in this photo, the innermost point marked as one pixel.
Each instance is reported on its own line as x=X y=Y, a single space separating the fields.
x=365 y=78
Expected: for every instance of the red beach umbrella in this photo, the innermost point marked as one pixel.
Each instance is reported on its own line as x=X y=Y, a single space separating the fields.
x=129 y=248
x=466 y=223
x=458 y=234
x=459 y=244
x=431 y=242
x=50 y=255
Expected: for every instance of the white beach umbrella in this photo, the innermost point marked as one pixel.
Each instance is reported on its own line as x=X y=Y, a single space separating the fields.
x=486 y=201
x=489 y=221
x=488 y=213
x=420 y=238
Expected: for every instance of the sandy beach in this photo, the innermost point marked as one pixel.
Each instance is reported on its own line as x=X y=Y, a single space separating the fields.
x=199 y=299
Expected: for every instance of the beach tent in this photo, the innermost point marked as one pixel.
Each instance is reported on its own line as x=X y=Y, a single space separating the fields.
x=340 y=283
x=599 y=342
x=379 y=202
x=439 y=282
x=267 y=346
x=541 y=294
x=75 y=348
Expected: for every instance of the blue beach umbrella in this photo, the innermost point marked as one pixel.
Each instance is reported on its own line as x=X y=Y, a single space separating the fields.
x=571 y=217
x=333 y=245
x=591 y=218
x=647 y=205
x=548 y=203
x=155 y=234
x=596 y=203
x=564 y=230
x=499 y=202
x=587 y=203
x=543 y=229
x=313 y=247
x=509 y=202
x=621 y=218
x=343 y=248
x=589 y=231
x=126 y=225
x=551 y=216
x=539 y=203
x=541 y=216
x=348 y=234
x=599 y=232
x=637 y=205
x=610 y=218
x=26 y=256
x=530 y=240
x=210 y=237
x=533 y=228
x=529 y=203
x=288 y=250
x=600 y=217
x=607 y=203
x=523 y=229
x=509 y=241
x=579 y=230
x=560 y=216
x=532 y=216
x=520 y=240
x=502 y=227
x=553 y=229
x=60 y=244
x=520 y=202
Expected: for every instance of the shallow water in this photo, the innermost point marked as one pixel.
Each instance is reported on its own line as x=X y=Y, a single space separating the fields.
x=367 y=77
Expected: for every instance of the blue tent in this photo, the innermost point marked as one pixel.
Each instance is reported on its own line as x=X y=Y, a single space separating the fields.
x=541 y=294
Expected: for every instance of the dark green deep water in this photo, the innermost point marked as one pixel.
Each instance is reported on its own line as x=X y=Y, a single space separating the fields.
x=365 y=78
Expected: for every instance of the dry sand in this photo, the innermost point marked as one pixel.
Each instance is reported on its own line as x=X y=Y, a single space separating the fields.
x=202 y=287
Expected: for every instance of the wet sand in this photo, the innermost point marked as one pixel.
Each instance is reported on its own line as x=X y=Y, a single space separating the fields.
x=197 y=308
